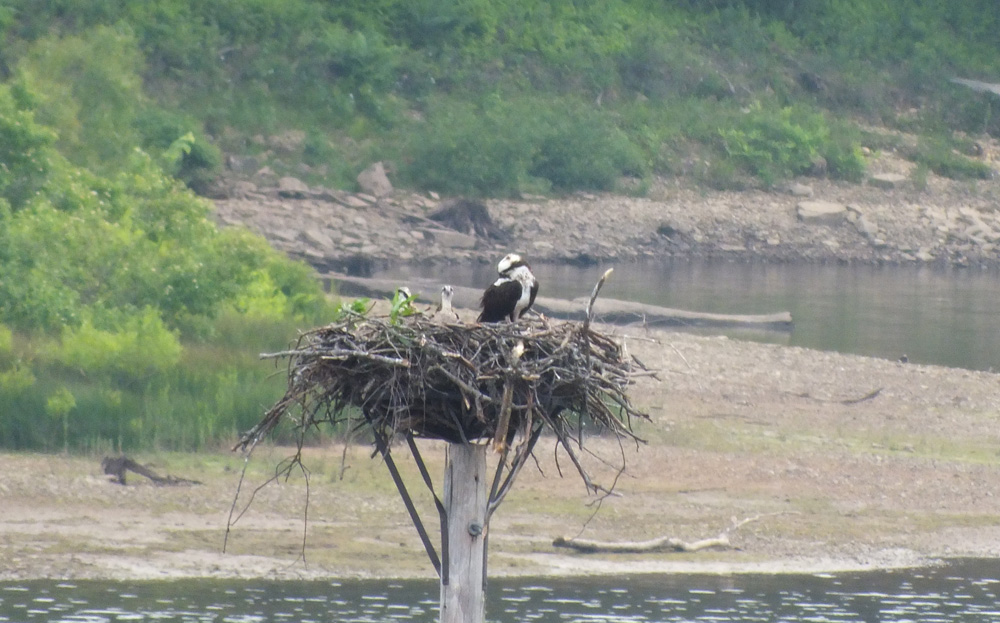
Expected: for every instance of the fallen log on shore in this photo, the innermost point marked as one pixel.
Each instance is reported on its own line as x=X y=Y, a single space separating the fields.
x=607 y=310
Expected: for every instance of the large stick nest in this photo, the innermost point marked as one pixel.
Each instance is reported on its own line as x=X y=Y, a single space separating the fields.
x=457 y=382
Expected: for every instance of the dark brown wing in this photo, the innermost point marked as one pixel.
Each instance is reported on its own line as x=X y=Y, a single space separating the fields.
x=498 y=301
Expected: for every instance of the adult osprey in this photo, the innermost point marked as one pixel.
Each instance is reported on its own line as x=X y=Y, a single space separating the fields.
x=512 y=293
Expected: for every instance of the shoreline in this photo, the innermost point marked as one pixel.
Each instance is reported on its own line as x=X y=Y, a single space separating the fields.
x=906 y=477
x=738 y=431
x=945 y=223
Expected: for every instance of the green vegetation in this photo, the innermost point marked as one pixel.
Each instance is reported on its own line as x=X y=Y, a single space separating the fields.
x=128 y=319
x=499 y=97
x=126 y=314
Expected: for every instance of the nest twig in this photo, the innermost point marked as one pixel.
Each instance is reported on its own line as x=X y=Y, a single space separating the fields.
x=458 y=382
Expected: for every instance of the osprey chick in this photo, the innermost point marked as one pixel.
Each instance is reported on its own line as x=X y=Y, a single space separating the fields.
x=445 y=313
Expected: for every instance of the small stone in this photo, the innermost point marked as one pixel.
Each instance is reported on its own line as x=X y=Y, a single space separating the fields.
x=360 y=221
x=352 y=201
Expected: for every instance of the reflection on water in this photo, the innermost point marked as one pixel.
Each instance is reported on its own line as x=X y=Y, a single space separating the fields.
x=965 y=591
x=942 y=316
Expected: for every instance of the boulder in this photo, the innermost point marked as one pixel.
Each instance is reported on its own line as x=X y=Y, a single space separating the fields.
x=866 y=227
x=800 y=190
x=822 y=212
x=292 y=188
x=887 y=180
x=317 y=238
x=374 y=181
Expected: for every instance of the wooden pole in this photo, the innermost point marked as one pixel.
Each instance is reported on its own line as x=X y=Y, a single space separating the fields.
x=463 y=597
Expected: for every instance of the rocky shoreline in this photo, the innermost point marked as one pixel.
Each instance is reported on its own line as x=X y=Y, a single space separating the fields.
x=886 y=220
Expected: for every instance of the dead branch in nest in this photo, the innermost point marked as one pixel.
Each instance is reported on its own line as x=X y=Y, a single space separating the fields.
x=458 y=382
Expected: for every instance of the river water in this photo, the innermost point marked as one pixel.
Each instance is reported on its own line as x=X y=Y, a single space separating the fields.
x=948 y=317
x=964 y=591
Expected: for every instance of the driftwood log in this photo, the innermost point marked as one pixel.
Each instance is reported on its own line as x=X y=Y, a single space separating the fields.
x=117 y=466
x=609 y=310
x=661 y=544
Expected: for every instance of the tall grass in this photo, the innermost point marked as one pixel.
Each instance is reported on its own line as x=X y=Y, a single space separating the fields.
x=218 y=389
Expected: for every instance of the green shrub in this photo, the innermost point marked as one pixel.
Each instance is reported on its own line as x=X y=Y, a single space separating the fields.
x=938 y=154
x=463 y=149
x=183 y=150
x=89 y=89
x=581 y=149
x=774 y=144
x=136 y=347
x=25 y=148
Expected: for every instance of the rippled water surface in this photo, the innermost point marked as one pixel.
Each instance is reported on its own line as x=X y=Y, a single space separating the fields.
x=964 y=591
x=942 y=316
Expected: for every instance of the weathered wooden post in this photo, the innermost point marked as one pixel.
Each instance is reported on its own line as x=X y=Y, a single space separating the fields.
x=463 y=597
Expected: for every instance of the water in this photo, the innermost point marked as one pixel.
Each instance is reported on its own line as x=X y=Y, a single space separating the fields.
x=947 y=317
x=965 y=591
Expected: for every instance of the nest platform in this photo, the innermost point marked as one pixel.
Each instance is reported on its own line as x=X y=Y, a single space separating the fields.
x=415 y=377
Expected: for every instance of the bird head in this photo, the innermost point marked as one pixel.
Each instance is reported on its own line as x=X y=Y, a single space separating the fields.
x=509 y=261
x=447 y=292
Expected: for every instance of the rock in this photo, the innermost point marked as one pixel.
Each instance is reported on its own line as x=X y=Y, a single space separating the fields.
x=243 y=189
x=374 y=181
x=243 y=165
x=353 y=202
x=866 y=227
x=823 y=212
x=887 y=180
x=288 y=142
x=817 y=166
x=671 y=229
x=292 y=188
x=317 y=238
x=450 y=239
x=800 y=190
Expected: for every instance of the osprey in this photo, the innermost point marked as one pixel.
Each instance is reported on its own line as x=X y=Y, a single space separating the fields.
x=512 y=293
x=445 y=313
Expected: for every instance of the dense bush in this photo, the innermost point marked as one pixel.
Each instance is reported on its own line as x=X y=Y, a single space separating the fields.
x=116 y=283
x=500 y=148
